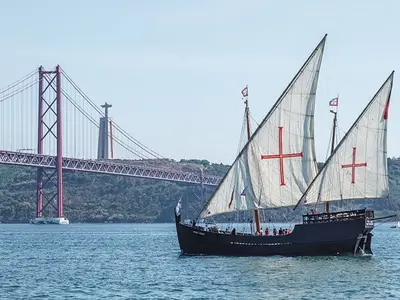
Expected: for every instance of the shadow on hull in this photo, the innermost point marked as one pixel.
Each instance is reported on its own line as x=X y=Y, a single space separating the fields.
x=341 y=233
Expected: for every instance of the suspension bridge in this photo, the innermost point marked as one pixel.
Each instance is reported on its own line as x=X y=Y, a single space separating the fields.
x=48 y=122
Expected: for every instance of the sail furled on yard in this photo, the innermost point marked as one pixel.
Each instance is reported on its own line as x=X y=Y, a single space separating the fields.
x=278 y=163
x=357 y=169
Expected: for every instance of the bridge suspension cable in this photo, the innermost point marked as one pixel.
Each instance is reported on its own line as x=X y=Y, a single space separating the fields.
x=18 y=86
x=150 y=152
x=47 y=123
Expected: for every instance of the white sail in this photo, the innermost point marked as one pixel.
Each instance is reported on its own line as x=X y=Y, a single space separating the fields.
x=357 y=169
x=278 y=162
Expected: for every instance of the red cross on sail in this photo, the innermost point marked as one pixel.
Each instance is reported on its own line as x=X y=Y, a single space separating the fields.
x=353 y=166
x=281 y=156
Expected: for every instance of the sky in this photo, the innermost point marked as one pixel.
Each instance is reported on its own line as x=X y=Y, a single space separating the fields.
x=174 y=70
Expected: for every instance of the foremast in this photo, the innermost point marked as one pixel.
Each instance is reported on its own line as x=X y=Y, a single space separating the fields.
x=245 y=94
x=334 y=102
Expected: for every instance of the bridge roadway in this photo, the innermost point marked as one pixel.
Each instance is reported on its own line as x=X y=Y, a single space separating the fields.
x=104 y=167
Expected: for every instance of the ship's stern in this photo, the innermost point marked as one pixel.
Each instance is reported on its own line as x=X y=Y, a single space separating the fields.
x=364 y=239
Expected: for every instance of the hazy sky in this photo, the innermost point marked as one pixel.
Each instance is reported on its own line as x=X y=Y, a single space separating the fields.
x=173 y=70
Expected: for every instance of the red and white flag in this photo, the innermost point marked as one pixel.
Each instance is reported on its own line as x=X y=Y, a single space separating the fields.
x=245 y=92
x=334 y=102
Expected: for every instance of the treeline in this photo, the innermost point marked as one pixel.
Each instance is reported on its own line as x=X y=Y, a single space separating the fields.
x=90 y=197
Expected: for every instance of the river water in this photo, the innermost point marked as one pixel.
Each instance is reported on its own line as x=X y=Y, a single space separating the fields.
x=143 y=261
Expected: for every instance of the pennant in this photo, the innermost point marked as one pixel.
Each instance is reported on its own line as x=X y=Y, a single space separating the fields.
x=334 y=102
x=245 y=92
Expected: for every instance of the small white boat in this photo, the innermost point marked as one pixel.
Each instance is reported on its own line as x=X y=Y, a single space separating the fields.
x=396 y=226
x=57 y=221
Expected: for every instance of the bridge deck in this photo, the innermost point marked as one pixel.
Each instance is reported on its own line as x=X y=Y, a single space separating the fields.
x=105 y=167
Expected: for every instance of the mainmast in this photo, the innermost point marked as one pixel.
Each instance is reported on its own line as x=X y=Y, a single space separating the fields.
x=245 y=94
x=333 y=102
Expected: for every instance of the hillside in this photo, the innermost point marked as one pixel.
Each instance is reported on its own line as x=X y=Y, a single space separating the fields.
x=98 y=198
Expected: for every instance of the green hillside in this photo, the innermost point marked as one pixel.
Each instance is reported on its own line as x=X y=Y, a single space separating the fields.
x=90 y=197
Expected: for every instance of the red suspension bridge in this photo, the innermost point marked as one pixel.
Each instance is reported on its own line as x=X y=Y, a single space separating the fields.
x=48 y=122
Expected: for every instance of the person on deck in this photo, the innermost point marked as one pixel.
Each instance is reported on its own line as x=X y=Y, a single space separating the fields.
x=266 y=231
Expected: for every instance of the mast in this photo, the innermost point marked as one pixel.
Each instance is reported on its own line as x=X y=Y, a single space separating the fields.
x=333 y=130
x=245 y=93
x=333 y=102
x=245 y=97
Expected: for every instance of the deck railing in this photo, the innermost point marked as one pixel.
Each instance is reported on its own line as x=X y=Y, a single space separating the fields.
x=338 y=216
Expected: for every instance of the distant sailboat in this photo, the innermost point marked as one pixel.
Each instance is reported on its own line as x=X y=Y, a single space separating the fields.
x=277 y=168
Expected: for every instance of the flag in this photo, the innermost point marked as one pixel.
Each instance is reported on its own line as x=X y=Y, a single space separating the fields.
x=178 y=207
x=334 y=102
x=245 y=92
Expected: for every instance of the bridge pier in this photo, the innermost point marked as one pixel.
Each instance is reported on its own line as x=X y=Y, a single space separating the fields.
x=50 y=182
x=39 y=188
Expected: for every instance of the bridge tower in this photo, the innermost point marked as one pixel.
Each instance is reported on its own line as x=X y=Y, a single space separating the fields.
x=50 y=182
x=105 y=146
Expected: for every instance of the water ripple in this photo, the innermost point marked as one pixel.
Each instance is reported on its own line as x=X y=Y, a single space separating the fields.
x=115 y=261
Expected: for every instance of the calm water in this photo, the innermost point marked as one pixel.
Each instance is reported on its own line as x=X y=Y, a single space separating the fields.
x=135 y=261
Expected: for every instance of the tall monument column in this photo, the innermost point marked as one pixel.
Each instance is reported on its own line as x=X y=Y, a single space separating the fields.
x=104 y=136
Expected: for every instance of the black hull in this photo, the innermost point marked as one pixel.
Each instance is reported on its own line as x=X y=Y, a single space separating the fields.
x=345 y=236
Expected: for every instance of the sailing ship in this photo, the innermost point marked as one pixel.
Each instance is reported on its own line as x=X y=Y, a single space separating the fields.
x=277 y=168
